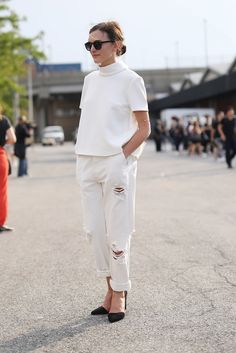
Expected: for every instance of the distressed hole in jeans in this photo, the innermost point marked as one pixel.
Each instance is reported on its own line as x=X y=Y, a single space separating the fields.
x=118 y=254
x=119 y=190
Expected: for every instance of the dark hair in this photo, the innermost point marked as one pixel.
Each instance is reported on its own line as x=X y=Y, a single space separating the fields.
x=22 y=119
x=114 y=32
x=228 y=108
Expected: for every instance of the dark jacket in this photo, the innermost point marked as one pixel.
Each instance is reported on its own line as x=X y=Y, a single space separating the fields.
x=20 y=147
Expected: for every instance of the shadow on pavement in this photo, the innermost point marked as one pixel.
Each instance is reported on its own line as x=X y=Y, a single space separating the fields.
x=44 y=337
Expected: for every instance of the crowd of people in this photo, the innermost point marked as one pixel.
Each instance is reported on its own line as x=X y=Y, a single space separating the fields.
x=214 y=136
x=11 y=137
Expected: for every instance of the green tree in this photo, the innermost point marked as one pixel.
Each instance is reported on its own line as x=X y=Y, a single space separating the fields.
x=14 y=50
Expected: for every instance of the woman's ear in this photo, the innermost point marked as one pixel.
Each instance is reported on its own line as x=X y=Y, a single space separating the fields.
x=118 y=47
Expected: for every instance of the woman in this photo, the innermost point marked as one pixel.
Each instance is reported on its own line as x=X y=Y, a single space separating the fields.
x=22 y=132
x=113 y=126
x=7 y=136
x=195 y=139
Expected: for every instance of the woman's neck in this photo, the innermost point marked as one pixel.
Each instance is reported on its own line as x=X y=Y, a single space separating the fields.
x=112 y=69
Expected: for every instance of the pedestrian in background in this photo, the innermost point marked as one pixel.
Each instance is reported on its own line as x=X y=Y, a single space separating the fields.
x=113 y=126
x=217 y=143
x=22 y=132
x=227 y=130
x=206 y=135
x=158 y=135
x=195 y=137
x=7 y=136
x=178 y=134
x=171 y=131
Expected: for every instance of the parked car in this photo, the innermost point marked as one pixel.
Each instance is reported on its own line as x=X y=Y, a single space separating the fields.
x=52 y=135
x=74 y=135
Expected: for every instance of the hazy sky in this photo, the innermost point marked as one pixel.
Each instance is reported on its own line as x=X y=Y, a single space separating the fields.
x=158 y=32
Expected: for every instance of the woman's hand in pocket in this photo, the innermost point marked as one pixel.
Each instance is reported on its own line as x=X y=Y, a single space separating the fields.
x=124 y=153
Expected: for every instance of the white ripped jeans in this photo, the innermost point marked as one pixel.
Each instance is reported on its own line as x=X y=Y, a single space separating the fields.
x=107 y=187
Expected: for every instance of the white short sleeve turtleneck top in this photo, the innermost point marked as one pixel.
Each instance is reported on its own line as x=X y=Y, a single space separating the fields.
x=110 y=95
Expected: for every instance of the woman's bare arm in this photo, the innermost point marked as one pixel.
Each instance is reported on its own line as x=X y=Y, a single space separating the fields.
x=10 y=136
x=140 y=135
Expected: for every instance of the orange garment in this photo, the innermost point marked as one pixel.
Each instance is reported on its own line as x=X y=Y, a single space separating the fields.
x=3 y=186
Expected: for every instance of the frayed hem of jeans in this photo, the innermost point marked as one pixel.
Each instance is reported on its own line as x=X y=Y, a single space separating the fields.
x=119 y=287
x=103 y=274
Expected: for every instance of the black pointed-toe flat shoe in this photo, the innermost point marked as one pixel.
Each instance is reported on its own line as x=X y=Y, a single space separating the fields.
x=113 y=317
x=99 y=311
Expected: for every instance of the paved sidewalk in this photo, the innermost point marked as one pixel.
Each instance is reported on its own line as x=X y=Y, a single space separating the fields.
x=183 y=265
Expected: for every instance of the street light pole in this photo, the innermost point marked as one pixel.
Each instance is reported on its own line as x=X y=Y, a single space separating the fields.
x=205 y=41
x=177 y=53
x=30 y=92
x=16 y=103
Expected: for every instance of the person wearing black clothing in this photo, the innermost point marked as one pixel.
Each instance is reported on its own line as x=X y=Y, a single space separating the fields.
x=217 y=143
x=227 y=130
x=7 y=136
x=158 y=135
x=206 y=135
x=20 y=147
x=176 y=132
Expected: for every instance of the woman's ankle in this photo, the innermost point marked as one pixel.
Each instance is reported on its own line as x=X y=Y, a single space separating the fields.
x=118 y=302
x=108 y=299
x=108 y=284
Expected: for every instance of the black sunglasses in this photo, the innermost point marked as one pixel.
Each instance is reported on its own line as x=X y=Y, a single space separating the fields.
x=97 y=44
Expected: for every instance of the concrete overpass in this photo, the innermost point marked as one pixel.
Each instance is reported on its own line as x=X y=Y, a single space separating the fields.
x=57 y=94
x=216 y=89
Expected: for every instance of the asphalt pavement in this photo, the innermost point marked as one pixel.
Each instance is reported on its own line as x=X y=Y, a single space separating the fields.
x=183 y=261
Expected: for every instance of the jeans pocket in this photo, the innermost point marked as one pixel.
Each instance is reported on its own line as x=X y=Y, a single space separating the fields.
x=126 y=159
